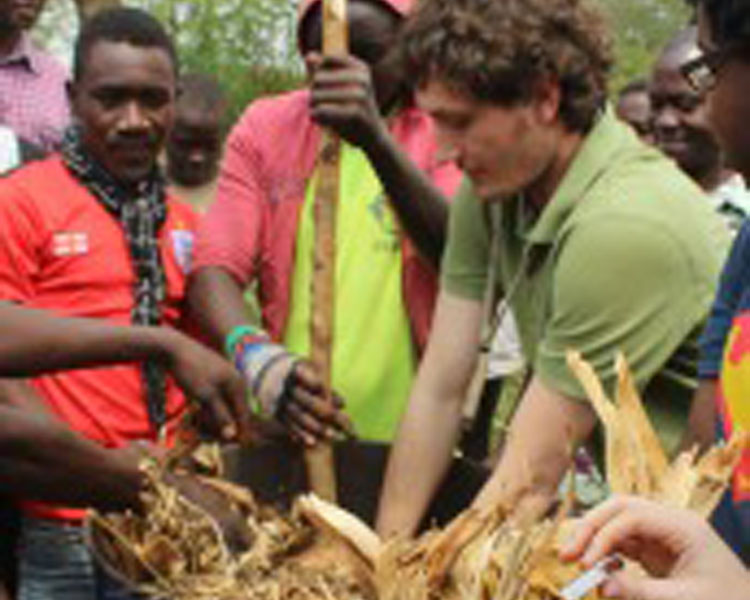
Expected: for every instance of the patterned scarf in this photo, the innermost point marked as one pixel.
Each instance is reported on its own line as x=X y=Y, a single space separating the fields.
x=141 y=213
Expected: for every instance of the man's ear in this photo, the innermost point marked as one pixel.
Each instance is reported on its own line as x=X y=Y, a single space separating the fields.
x=547 y=98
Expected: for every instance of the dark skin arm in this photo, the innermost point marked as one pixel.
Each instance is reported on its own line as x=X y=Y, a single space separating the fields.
x=34 y=342
x=701 y=429
x=40 y=458
x=217 y=304
x=343 y=98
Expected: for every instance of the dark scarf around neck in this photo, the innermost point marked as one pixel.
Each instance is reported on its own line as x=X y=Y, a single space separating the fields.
x=141 y=211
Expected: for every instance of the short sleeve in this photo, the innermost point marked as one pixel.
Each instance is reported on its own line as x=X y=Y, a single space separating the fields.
x=228 y=235
x=627 y=284
x=464 y=266
x=21 y=230
x=735 y=278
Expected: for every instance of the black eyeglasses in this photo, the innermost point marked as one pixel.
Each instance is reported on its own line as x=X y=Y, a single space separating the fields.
x=702 y=72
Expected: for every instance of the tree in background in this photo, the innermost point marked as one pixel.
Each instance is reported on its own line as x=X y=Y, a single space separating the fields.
x=86 y=8
x=250 y=45
x=641 y=28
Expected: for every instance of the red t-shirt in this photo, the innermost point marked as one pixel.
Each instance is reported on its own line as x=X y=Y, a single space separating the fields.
x=60 y=250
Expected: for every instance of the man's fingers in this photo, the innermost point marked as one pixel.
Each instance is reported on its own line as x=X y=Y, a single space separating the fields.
x=315 y=405
x=224 y=420
x=338 y=97
x=235 y=396
x=588 y=527
x=305 y=423
x=341 y=78
x=339 y=61
x=344 y=425
x=307 y=377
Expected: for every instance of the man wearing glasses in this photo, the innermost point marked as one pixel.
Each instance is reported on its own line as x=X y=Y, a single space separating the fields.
x=682 y=131
x=721 y=405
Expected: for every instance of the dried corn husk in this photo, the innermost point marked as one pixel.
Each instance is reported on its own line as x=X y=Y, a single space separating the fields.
x=177 y=551
x=320 y=551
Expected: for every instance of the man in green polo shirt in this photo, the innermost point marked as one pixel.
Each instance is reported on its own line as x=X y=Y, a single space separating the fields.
x=603 y=245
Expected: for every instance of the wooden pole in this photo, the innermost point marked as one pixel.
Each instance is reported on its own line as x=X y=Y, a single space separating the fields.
x=319 y=460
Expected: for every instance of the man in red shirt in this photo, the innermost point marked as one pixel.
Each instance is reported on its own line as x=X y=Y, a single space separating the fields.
x=92 y=233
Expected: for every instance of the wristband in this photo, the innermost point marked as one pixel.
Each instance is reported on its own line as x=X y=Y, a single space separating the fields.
x=240 y=338
x=256 y=361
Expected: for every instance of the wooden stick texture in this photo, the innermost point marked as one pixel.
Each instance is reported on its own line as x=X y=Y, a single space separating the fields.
x=319 y=460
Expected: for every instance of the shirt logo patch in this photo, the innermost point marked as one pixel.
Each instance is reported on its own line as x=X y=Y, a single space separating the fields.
x=70 y=243
x=182 y=242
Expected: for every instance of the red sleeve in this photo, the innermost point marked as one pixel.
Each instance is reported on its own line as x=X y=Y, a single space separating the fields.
x=21 y=243
x=229 y=233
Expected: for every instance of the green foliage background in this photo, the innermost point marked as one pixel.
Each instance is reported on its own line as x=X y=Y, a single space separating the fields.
x=250 y=45
x=641 y=28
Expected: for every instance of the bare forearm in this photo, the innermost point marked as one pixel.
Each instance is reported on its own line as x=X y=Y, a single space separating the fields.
x=216 y=303
x=420 y=206
x=429 y=431
x=44 y=460
x=702 y=419
x=35 y=341
x=543 y=435
x=421 y=457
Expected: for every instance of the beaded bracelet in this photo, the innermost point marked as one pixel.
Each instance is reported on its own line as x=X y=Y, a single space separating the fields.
x=239 y=339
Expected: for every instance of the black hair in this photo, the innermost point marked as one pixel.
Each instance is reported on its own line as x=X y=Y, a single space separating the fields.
x=729 y=20
x=121 y=24
x=312 y=24
x=202 y=91
x=636 y=86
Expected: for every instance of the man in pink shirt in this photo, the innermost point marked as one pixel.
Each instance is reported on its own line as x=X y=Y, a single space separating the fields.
x=33 y=100
x=256 y=227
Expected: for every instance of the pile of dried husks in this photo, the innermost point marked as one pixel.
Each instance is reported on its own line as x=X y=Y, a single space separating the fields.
x=320 y=551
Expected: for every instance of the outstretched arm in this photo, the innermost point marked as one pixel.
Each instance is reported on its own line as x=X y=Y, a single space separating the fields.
x=35 y=342
x=430 y=427
x=217 y=303
x=539 y=447
x=41 y=457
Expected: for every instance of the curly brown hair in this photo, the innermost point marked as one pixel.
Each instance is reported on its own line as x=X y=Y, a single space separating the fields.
x=497 y=50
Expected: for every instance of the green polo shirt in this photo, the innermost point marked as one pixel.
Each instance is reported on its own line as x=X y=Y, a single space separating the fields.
x=625 y=256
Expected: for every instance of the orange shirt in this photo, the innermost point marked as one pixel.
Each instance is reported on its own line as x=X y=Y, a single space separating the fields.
x=62 y=251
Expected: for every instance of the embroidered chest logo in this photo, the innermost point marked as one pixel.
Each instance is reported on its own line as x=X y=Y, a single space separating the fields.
x=390 y=233
x=182 y=242
x=70 y=243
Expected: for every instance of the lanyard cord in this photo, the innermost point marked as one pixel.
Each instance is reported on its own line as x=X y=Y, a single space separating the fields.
x=493 y=316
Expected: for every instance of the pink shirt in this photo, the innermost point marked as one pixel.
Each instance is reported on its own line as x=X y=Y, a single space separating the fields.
x=33 y=100
x=250 y=229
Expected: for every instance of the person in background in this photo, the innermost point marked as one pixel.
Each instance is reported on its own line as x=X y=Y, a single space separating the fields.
x=634 y=107
x=91 y=232
x=14 y=151
x=721 y=74
x=682 y=130
x=391 y=222
x=194 y=144
x=682 y=557
x=587 y=248
x=32 y=82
